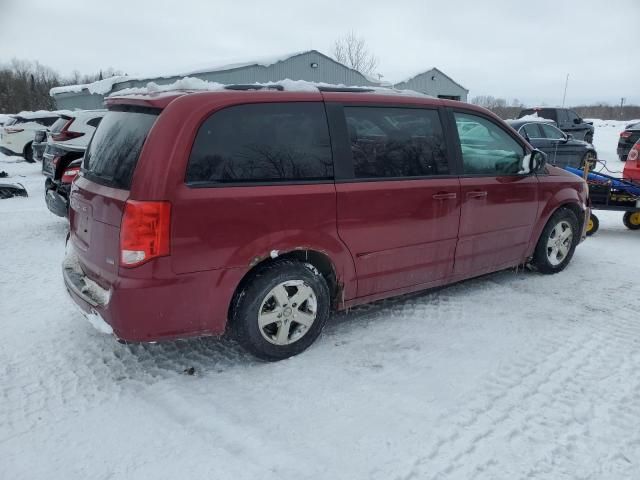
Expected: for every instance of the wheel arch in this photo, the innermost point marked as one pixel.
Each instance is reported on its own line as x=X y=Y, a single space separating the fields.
x=568 y=202
x=320 y=260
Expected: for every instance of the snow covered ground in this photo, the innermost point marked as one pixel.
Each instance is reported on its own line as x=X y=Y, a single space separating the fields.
x=514 y=375
x=605 y=140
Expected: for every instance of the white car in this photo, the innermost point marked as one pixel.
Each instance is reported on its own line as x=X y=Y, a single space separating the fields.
x=4 y=119
x=17 y=138
x=75 y=128
x=72 y=132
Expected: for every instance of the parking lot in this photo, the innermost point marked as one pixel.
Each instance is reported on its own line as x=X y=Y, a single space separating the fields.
x=512 y=375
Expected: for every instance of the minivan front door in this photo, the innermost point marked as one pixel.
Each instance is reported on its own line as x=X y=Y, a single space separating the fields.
x=398 y=204
x=499 y=198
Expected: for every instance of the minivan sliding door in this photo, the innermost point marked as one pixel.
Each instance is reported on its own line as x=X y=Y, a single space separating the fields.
x=398 y=202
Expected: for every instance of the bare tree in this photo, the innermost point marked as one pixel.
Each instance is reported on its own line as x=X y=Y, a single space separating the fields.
x=25 y=85
x=352 y=50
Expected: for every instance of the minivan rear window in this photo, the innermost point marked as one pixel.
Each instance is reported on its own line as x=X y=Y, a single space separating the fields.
x=115 y=147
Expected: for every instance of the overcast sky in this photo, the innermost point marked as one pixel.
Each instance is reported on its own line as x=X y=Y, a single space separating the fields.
x=510 y=49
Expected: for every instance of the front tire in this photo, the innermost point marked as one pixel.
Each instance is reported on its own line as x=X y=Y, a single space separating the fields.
x=588 y=137
x=557 y=242
x=281 y=310
x=631 y=220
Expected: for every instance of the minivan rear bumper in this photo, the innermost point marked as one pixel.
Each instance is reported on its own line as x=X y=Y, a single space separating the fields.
x=155 y=309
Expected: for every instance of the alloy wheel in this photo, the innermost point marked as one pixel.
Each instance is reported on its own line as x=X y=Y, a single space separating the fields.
x=559 y=243
x=287 y=312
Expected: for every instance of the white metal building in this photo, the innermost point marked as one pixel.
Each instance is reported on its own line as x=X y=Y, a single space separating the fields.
x=310 y=65
x=435 y=83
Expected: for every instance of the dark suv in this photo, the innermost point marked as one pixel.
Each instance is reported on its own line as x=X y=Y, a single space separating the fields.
x=259 y=212
x=567 y=120
x=628 y=137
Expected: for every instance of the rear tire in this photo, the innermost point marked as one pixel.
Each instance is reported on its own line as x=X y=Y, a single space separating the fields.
x=281 y=310
x=557 y=242
x=28 y=153
x=631 y=220
x=593 y=224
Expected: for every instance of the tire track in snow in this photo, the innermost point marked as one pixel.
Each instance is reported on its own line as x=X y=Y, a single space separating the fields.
x=542 y=407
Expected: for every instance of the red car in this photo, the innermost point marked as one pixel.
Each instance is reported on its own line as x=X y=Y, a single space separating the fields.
x=632 y=167
x=258 y=212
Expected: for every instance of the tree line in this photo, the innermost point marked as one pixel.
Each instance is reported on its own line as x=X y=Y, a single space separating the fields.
x=25 y=85
x=509 y=109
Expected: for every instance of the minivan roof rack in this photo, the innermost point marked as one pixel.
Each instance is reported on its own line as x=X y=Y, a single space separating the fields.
x=249 y=86
x=345 y=89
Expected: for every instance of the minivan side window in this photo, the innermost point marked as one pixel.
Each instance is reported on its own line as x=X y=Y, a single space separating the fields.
x=487 y=149
x=389 y=142
x=263 y=142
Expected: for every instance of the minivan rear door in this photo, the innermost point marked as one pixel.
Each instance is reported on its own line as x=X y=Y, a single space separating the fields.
x=398 y=202
x=100 y=191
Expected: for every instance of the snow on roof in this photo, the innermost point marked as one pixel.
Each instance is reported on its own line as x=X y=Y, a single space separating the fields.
x=41 y=114
x=105 y=86
x=197 y=84
x=237 y=63
x=534 y=118
x=100 y=87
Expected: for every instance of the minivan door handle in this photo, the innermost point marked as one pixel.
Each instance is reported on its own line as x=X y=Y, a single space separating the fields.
x=476 y=194
x=444 y=196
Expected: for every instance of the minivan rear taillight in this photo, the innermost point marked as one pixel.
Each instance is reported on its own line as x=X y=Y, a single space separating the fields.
x=145 y=232
x=625 y=134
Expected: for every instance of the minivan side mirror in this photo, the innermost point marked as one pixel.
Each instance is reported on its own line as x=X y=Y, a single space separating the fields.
x=577 y=121
x=537 y=160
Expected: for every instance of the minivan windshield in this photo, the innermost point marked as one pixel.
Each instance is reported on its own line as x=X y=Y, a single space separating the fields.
x=114 y=150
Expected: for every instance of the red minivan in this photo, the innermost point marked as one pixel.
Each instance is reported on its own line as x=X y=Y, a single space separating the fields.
x=258 y=212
